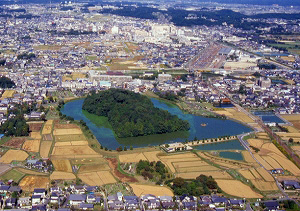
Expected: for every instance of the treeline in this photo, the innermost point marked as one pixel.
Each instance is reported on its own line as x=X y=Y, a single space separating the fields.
x=15 y=126
x=6 y=82
x=199 y=186
x=131 y=114
x=26 y=56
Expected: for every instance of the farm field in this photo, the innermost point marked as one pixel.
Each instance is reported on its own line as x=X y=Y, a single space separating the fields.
x=215 y=174
x=35 y=135
x=15 y=142
x=132 y=158
x=71 y=143
x=45 y=148
x=60 y=175
x=11 y=155
x=13 y=174
x=151 y=156
x=8 y=94
x=97 y=178
x=235 y=114
x=74 y=152
x=28 y=183
x=35 y=126
x=70 y=137
x=28 y=171
x=247 y=157
x=31 y=145
x=65 y=126
x=237 y=188
x=94 y=167
x=87 y=161
x=140 y=189
x=67 y=131
x=47 y=129
x=62 y=165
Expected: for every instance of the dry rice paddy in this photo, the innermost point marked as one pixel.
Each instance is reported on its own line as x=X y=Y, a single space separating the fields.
x=236 y=114
x=71 y=143
x=60 y=175
x=31 y=145
x=237 y=188
x=97 y=178
x=70 y=137
x=47 y=129
x=11 y=155
x=215 y=174
x=35 y=135
x=8 y=94
x=45 y=148
x=74 y=151
x=67 y=131
x=94 y=167
x=155 y=190
x=62 y=165
x=28 y=183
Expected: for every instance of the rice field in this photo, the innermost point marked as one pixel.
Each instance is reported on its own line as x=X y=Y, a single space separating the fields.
x=70 y=137
x=47 y=129
x=31 y=145
x=97 y=178
x=45 y=148
x=11 y=155
x=62 y=165
x=237 y=188
x=67 y=131
x=28 y=183
x=215 y=174
x=61 y=175
x=140 y=189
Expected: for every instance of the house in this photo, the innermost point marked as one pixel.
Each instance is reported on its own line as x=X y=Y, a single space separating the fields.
x=271 y=205
x=190 y=205
x=40 y=192
x=217 y=200
x=4 y=188
x=77 y=199
x=91 y=189
x=150 y=201
x=11 y=202
x=115 y=202
x=16 y=189
x=39 y=207
x=85 y=206
x=236 y=203
x=290 y=184
x=36 y=199
x=166 y=202
x=54 y=198
x=78 y=189
x=131 y=202
x=187 y=198
x=24 y=202
x=205 y=200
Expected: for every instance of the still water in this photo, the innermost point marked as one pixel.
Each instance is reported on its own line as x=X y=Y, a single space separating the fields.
x=213 y=129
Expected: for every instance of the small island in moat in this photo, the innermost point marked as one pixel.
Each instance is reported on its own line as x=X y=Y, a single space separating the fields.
x=131 y=114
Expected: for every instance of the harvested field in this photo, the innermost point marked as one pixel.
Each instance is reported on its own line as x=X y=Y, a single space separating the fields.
x=292 y=129
x=60 y=175
x=70 y=138
x=94 y=167
x=97 y=178
x=62 y=165
x=255 y=173
x=27 y=171
x=72 y=131
x=35 y=135
x=215 y=174
x=263 y=162
x=45 y=148
x=13 y=174
x=35 y=126
x=151 y=156
x=273 y=148
x=28 y=183
x=75 y=156
x=47 y=137
x=286 y=164
x=293 y=117
x=247 y=157
x=47 y=129
x=272 y=162
x=155 y=190
x=264 y=186
x=4 y=168
x=247 y=174
x=8 y=94
x=12 y=155
x=197 y=168
x=237 y=188
x=265 y=175
x=88 y=161
x=179 y=156
x=73 y=151
x=15 y=142
x=199 y=163
x=65 y=126
x=113 y=164
x=31 y=145
x=132 y=158
x=256 y=142
x=238 y=115
x=72 y=143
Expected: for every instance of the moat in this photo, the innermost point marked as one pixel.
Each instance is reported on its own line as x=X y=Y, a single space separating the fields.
x=213 y=127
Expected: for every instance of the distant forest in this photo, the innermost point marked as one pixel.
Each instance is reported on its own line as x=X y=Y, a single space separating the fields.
x=131 y=114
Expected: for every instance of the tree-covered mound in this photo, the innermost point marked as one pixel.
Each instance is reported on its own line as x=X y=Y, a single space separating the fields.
x=6 y=82
x=131 y=114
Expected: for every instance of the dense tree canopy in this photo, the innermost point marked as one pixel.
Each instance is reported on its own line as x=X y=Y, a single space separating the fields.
x=131 y=114
x=6 y=82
